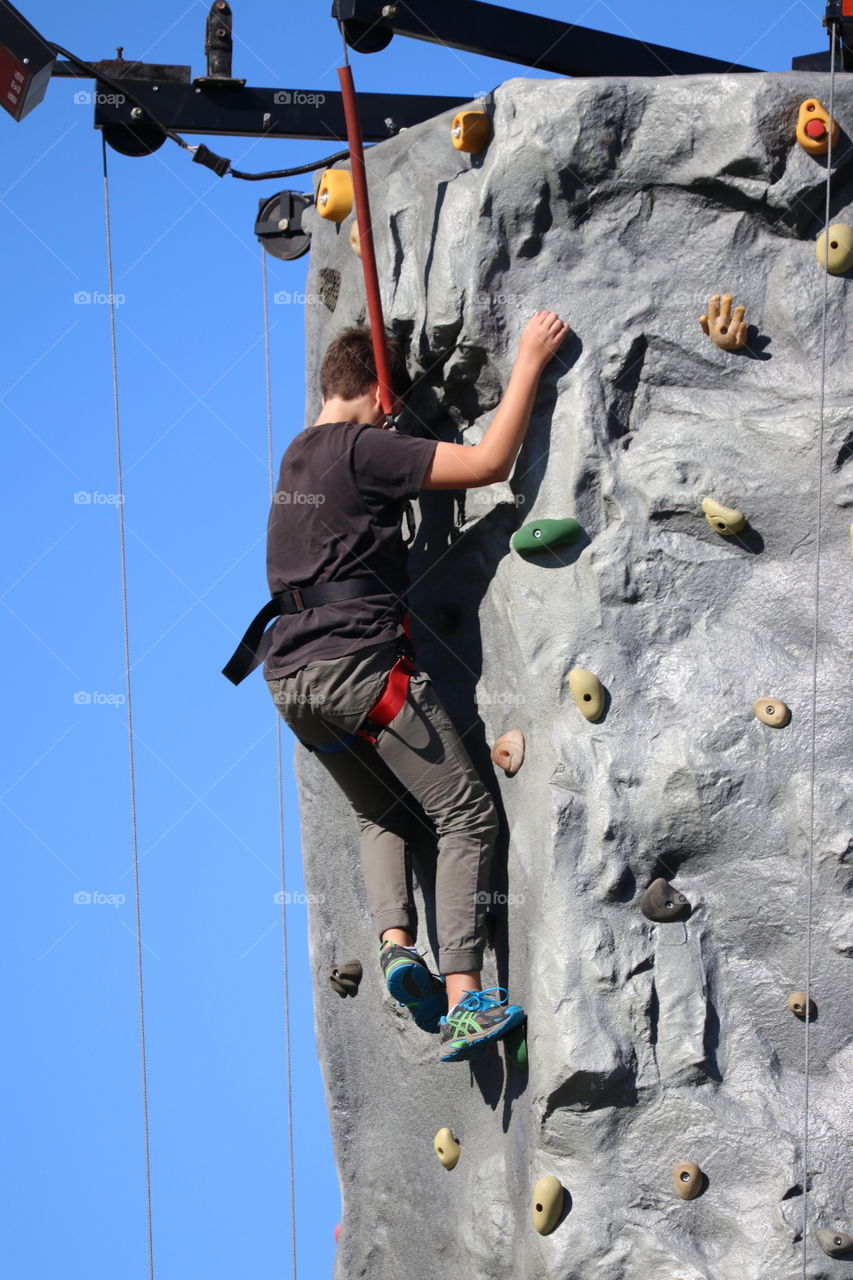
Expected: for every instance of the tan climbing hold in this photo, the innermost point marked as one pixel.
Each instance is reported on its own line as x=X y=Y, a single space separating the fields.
x=772 y=711
x=587 y=691
x=334 y=195
x=355 y=239
x=723 y=520
x=508 y=751
x=470 y=131
x=547 y=1204
x=835 y=1243
x=662 y=903
x=687 y=1180
x=447 y=1148
x=801 y=1006
x=813 y=128
x=840 y=249
x=725 y=328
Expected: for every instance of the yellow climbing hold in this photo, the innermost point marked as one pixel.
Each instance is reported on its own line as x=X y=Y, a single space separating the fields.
x=587 y=692
x=547 y=1204
x=726 y=330
x=447 y=1148
x=508 y=751
x=687 y=1179
x=772 y=711
x=813 y=128
x=334 y=195
x=355 y=239
x=724 y=520
x=470 y=131
x=840 y=258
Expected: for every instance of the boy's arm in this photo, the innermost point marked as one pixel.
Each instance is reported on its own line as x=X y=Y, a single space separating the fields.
x=461 y=466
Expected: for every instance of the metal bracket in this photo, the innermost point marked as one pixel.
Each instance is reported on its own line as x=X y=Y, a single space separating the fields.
x=219 y=47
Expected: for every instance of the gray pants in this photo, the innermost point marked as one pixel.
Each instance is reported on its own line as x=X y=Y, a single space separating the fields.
x=418 y=754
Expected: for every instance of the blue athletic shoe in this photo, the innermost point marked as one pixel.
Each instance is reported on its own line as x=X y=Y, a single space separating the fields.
x=476 y=1021
x=413 y=985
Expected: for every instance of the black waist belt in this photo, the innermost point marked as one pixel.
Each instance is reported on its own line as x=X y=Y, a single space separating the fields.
x=252 y=649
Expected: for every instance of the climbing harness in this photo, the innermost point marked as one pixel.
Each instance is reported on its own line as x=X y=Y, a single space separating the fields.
x=134 y=839
x=387 y=706
x=255 y=644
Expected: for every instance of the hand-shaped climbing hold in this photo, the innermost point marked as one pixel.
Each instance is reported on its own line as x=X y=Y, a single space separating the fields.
x=508 y=751
x=724 y=328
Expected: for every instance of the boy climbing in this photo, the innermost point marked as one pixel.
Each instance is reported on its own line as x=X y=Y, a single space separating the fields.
x=339 y=666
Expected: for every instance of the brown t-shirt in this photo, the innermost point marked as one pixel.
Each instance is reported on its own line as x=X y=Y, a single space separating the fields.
x=337 y=514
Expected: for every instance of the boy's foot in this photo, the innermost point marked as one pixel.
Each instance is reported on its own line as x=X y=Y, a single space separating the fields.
x=481 y=1017
x=413 y=985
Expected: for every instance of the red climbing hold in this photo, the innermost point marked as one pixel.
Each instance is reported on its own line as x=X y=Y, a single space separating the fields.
x=337 y=1233
x=816 y=129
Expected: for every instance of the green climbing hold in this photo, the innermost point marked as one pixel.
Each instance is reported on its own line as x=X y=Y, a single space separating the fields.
x=516 y=1046
x=542 y=535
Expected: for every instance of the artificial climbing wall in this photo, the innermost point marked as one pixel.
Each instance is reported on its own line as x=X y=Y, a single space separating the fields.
x=623 y=205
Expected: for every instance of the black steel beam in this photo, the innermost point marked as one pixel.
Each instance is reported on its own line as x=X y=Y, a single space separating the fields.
x=266 y=113
x=495 y=32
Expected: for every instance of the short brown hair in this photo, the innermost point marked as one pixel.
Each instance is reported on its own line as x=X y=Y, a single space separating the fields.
x=349 y=368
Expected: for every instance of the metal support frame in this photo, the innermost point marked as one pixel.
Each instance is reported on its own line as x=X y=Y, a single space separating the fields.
x=267 y=113
x=838 y=21
x=495 y=32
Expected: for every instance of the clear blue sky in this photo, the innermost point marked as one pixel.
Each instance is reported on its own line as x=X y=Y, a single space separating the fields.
x=194 y=436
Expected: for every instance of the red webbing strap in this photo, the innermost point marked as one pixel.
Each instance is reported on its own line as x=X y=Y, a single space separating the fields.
x=391 y=699
x=365 y=234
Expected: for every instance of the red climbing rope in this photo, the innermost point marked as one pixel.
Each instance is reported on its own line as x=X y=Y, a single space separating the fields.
x=365 y=232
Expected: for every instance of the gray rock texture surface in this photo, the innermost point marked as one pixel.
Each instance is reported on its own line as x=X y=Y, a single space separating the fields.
x=623 y=205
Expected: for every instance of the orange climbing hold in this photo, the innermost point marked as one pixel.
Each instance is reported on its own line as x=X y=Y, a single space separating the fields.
x=334 y=195
x=813 y=128
x=470 y=131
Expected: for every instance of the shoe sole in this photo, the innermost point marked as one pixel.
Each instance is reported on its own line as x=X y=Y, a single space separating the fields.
x=472 y=1046
x=412 y=985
